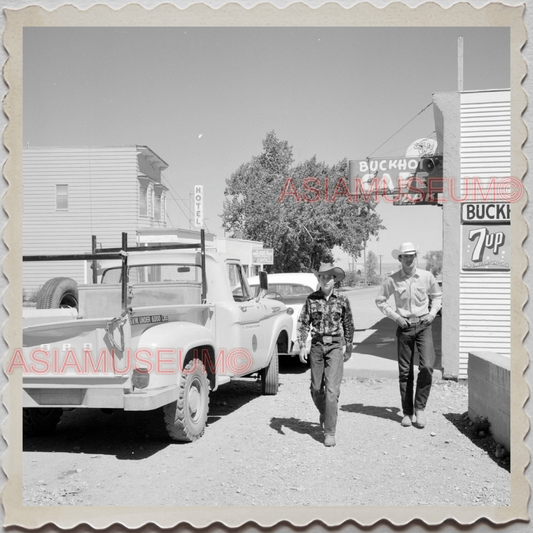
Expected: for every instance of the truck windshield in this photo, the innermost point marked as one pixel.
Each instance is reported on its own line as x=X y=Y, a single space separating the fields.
x=154 y=273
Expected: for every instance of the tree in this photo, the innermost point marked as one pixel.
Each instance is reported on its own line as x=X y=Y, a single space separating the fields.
x=371 y=265
x=301 y=211
x=434 y=261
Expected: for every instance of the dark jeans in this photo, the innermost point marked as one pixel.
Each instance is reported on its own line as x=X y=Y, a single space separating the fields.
x=326 y=362
x=420 y=337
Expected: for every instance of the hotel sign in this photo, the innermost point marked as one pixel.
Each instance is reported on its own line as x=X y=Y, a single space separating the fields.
x=198 y=206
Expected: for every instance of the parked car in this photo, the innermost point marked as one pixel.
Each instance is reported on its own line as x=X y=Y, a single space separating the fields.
x=292 y=289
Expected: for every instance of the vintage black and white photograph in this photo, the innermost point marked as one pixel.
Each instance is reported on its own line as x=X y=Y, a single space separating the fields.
x=269 y=266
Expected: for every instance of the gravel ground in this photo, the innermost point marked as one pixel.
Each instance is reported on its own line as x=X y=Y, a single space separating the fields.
x=268 y=450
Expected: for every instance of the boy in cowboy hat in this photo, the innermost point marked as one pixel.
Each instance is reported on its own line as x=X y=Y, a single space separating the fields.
x=412 y=288
x=329 y=316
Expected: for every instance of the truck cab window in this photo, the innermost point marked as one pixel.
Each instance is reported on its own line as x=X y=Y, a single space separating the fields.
x=239 y=286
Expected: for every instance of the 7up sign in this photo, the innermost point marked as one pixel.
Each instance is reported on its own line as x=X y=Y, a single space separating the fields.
x=486 y=234
x=484 y=239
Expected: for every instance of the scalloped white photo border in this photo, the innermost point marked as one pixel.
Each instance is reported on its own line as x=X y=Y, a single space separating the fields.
x=331 y=14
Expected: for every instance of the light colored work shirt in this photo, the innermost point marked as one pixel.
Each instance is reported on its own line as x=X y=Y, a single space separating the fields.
x=411 y=294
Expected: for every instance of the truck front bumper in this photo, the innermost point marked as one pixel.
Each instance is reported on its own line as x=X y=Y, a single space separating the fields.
x=99 y=397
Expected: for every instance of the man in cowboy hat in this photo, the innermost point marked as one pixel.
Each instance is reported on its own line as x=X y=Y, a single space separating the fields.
x=329 y=316
x=412 y=288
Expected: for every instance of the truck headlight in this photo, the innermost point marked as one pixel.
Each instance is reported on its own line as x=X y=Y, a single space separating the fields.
x=290 y=310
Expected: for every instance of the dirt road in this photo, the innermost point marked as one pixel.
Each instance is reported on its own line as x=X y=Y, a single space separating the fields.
x=268 y=450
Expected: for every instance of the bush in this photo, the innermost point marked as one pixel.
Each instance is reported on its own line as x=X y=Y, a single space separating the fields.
x=29 y=297
x=480 y=426
x=375 y=280
x=351 y=279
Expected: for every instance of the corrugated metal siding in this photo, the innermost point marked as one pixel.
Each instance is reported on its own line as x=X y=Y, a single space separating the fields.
x=485 y=298
x=103 y=200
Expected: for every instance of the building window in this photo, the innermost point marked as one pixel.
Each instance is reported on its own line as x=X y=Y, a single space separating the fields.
x=143 y=201
x=61 y=197
x=159 y=207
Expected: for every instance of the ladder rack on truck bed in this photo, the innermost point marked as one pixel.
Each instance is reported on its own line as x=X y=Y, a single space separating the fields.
x=122 y=253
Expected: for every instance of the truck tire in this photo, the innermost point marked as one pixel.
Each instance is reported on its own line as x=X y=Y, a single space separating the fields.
x=185 y=419
x=58 y=292
x=270 y=375
x=38 y=421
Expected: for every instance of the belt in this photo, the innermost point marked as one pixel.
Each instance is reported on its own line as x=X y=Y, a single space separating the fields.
x=327 y=339
x=414 y=320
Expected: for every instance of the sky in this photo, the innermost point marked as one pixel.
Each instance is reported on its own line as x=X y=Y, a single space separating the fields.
x=203 y=99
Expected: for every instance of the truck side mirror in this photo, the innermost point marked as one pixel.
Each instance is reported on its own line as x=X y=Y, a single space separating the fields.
x=263 y=280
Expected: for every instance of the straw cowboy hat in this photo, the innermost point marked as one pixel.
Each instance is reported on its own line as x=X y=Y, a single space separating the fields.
x=326 y=268
x=406 y=248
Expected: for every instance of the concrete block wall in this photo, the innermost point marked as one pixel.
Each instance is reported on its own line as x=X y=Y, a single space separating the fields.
x=489 y=392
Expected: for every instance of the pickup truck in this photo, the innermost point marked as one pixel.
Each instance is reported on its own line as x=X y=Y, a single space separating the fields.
x=158 y=329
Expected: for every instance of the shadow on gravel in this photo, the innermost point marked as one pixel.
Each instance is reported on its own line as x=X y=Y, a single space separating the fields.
x=124 y=434
x=485 y=442
x=292 y=365
x=382 y=342
x=388 y=413
x=298 y=426
x=132 y=435
x=231 y=397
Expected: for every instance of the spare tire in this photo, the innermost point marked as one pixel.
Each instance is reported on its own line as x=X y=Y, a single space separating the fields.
x=58 y=292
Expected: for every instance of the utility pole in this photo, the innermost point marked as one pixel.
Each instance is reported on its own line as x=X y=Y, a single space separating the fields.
x=364 y=261
x=190 y=210
x=460 y=64
x=380 y=256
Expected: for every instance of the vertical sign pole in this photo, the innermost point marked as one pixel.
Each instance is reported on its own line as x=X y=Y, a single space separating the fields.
x=95 y=262
x=460 y=64
x=204 y=277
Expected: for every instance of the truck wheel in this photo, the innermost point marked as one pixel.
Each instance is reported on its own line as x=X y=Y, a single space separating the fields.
x=39 y=421
x=58 y=292
x=185 y=418
x=270 y=375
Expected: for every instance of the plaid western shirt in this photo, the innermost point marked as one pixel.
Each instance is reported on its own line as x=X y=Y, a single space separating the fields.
x=326 y=317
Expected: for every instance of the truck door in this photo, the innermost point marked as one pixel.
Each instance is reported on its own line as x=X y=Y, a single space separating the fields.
x=250 y=315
